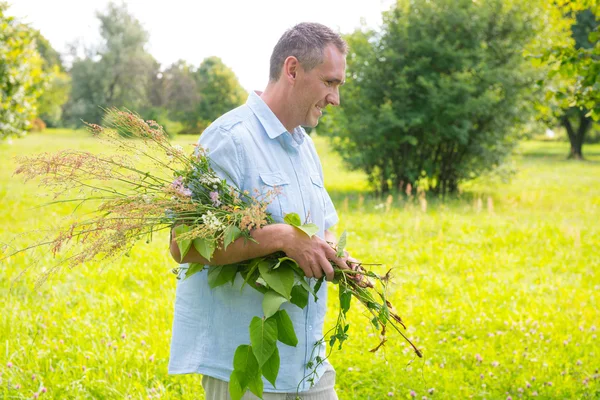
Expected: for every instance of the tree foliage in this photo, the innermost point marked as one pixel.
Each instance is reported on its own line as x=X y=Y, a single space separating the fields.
x=578 y=58
x=435 y=97
x=573 y=64
x=217 y=91
x=119 y=73
x=56 y=92
x=21 y=77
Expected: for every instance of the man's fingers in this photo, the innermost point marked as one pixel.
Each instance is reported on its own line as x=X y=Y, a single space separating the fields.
x=327 y=268
x=317 y=271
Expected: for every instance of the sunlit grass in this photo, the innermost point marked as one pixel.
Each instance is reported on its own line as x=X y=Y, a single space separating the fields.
x=498 y=286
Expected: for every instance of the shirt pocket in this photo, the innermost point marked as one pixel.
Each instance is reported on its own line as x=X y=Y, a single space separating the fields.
x=277 y=184
x=318 y=193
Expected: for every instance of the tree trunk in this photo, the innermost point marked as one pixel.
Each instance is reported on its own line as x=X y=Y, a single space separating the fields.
x=576 y=137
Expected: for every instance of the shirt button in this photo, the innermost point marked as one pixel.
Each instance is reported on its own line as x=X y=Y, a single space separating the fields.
x=310 y=327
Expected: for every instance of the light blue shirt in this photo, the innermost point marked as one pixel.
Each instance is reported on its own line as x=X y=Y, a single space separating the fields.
x=252 y=149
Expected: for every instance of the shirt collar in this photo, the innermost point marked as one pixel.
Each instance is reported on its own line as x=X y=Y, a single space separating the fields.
x=269 y=120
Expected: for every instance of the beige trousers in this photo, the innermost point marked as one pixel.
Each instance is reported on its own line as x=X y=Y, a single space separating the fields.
x=216 y=389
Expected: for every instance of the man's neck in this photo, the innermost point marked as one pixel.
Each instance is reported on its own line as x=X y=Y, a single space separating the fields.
x=278 y=99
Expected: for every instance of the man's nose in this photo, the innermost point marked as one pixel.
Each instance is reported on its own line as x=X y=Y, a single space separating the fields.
x=334 y=97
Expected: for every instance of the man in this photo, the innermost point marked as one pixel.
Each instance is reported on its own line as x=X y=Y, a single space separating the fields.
x=261 y=145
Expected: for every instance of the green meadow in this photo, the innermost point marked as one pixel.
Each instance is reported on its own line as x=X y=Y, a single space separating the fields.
x=499 y=287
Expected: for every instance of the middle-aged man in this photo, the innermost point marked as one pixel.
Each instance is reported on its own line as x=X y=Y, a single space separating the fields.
x=261 y=145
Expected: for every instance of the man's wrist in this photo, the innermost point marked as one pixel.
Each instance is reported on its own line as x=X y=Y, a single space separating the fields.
x=284 y=236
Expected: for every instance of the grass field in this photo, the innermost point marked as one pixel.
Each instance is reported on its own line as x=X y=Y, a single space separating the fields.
x=499 y=287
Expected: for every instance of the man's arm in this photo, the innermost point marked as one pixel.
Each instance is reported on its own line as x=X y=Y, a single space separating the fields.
x=311 y=254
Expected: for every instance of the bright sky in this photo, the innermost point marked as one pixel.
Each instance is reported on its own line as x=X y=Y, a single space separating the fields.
x=241 y=32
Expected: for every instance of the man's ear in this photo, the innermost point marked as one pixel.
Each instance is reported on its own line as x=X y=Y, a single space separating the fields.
x=291 y=65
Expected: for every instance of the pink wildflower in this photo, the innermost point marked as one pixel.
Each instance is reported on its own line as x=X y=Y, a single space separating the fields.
x=44 y=390
x=478 y=357
x=413 y=393
x=214 y=197
x=9 y=364
x=179 y=188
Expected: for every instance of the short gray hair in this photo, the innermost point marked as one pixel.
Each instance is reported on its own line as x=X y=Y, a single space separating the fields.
x=305 y=41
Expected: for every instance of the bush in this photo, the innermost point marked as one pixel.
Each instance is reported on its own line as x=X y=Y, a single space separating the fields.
x=437 y=96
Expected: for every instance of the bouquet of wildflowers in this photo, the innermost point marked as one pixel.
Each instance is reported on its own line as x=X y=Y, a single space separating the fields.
x=185 y=194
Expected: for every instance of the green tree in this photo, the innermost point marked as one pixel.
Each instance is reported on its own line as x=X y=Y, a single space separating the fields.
x=58 y=88
x=574 y=79
x=21 y=77
x=437 y=95
x=180 y=91
x=119 y=73
x=218 y=90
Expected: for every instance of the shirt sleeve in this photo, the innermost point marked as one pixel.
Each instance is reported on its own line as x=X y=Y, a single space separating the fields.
x=331 y=217
x=224 y=153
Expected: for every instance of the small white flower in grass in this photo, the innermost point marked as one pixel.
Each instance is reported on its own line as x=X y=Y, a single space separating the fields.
x=350 y=369
x=431 y=391
x=33 y=377
x=495 y=363
x=478 y=357
x=534 y=393
x=123 y=336
x=17 y=386
x=151 y=358
x=579 y=362
x=391 y=394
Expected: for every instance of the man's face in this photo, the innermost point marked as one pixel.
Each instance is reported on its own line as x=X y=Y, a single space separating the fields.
x=319 y=87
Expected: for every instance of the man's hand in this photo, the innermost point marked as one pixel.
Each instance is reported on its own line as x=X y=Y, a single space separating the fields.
x=312 y=254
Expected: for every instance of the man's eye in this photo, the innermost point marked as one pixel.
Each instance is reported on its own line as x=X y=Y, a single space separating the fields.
x=328 y=83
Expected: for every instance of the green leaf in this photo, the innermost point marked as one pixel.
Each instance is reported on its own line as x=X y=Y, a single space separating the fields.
x=299 y=296
x=256 y=385
x=221 y=274
x=282 y=259
x=345 y=297
x=318 y=286
x=231 y=233
x=247 y=371
x=309 y=289
x=280 y=280
x=236 y=390
x=253 y=266
x=293 y=219
x=184 y=245
x=341 y=245
x=309 y=229
x=244 y=360
x=263 y=338
x=285 y=329
x=205 y=247
x=270 y=369
x=271 y=302
x=193 y=269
